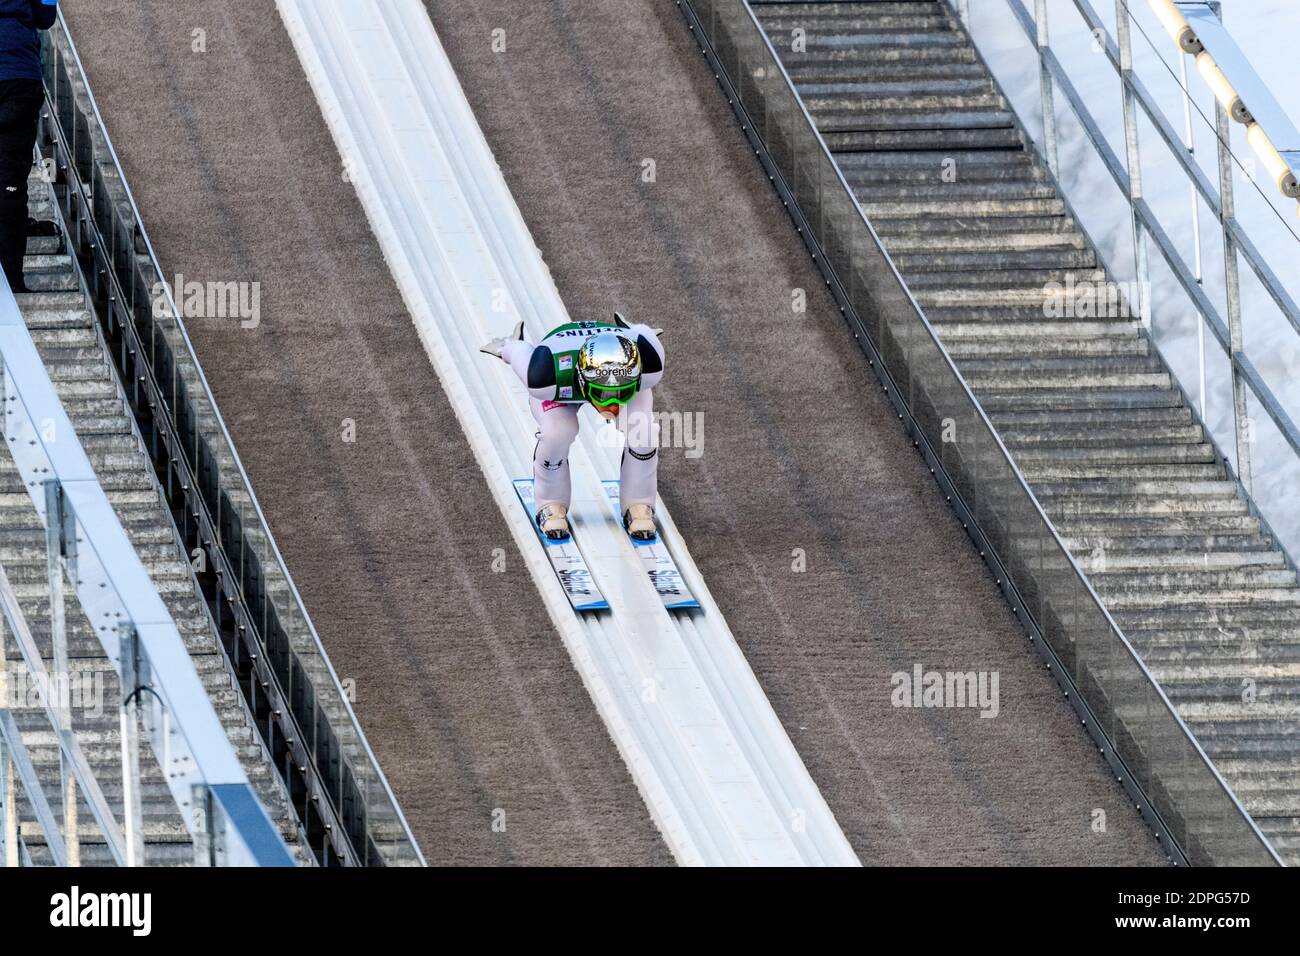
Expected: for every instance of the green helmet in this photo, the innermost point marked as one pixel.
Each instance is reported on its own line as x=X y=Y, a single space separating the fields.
x=609 y=367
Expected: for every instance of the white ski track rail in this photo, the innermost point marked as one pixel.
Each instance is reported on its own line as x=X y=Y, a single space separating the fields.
x=722 y=780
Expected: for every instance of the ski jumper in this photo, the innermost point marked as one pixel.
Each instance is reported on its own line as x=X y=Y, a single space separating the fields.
x=549 y=370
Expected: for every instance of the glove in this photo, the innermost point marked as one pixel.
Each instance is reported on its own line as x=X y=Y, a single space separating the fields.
x=497 y=346
x=622 y=323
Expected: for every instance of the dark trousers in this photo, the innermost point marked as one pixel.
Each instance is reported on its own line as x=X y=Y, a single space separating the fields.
x=20 y=108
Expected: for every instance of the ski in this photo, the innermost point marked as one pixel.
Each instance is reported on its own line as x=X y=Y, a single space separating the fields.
x=567 y=561
x=658 y=563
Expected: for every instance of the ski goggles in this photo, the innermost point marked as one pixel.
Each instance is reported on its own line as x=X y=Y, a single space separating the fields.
x=604 y=396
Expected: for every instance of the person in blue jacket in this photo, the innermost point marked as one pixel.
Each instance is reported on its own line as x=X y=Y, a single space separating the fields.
x=21 y=95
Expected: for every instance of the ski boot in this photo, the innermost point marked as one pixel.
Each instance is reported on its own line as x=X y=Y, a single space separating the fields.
x=639 y=522
x=553 y=520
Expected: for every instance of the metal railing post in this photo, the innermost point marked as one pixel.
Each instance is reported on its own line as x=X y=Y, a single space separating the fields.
x=1133 y=159
x=54 y=573
x=8 y=803
x=8 y=810
x=205 y=849
x=1198 y=268
x=1232 y=288
x=1242 y=431
x=62 y=677
x=129 y=722
x=1044 y=45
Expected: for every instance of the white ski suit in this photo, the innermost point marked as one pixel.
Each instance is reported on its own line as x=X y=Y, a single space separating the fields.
x=555 y=407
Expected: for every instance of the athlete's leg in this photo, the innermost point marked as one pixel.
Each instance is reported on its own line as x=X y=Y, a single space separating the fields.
x=639 y=473
x=557 y=427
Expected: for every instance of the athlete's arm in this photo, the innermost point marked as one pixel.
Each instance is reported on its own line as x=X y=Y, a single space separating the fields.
x=534 y=366
x=652 y=354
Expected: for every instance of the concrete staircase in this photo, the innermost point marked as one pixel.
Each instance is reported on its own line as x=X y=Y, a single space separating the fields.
x=67 y=337
x=1085 y=403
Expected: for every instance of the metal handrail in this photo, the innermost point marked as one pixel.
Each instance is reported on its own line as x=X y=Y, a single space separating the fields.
x=91 y=549
x=70 y=751
x=1243 y=369
x=338 y=695
x=899 y=292
x=1052 y=70
x=15 y=760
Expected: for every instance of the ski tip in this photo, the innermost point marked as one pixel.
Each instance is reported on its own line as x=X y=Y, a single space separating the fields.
x=594 y=606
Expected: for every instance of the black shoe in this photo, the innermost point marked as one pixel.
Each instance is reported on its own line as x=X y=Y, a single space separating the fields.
x=42 y=228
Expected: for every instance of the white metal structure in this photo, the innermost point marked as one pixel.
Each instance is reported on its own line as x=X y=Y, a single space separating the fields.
x=1240 y=96
x=712 y=761
x=91 y=556
x=1197 y=28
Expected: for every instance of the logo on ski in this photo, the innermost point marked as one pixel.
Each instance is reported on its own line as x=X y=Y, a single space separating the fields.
x=667 y=581
x=566 y=560
x=659 y=565
x=577 y=581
